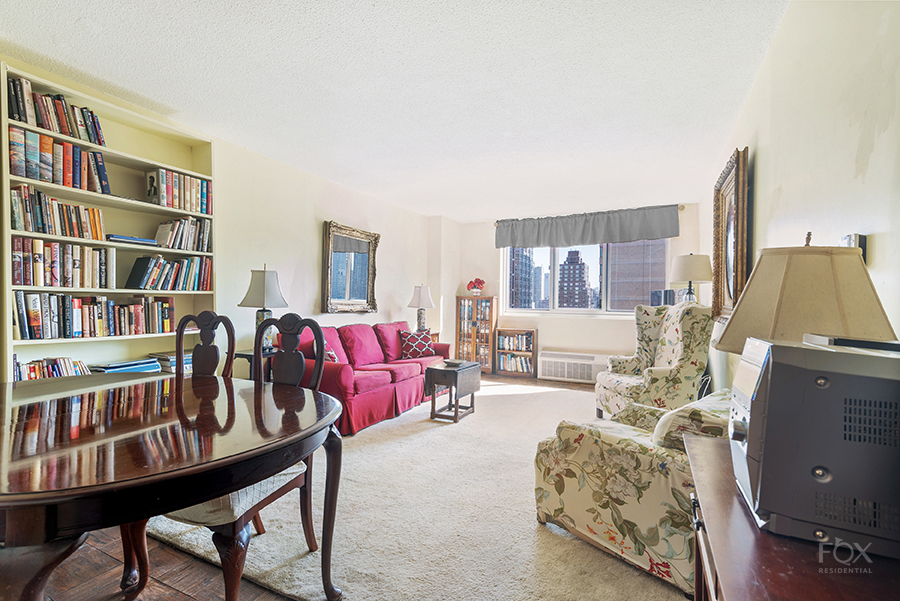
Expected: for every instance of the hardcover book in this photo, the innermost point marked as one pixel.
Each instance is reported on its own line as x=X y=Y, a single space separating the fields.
x=33 y=307
x=76 y=167
x=11 y=102
x=57 y=163
x=37 y=262
x=29 y=102
x=101 y=171
x=32 y=155
x=67 y=164
x=16 y=151
x=16 y=261
x=46 y=158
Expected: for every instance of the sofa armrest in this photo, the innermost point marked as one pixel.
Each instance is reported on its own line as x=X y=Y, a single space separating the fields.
x=639 y=416
x=621 y=364
x=337 y=379
x=707 y=417
x=442 y=349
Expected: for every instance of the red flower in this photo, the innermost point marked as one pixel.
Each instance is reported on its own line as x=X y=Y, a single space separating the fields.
x=476 y=283
x=661 y=569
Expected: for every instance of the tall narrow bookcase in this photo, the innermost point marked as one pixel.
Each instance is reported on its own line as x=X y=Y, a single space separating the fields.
x=517 y=352
x=476 y=321
x=137 y=142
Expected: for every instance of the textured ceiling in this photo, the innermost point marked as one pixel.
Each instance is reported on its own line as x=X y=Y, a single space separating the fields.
x=474 y=109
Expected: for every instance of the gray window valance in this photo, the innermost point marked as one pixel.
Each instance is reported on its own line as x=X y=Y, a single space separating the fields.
x=343 y=244
x=624 y=225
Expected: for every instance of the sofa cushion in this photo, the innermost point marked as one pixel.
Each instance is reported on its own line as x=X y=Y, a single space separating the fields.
x=361 y=344
x=422 y=362
x=398 y=371
x=389 y=337
x=416 y=344
x=332 y=343
x=364 y=381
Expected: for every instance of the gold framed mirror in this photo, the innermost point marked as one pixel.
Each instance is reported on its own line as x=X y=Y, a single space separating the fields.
x=730 y=244
x=348 y=273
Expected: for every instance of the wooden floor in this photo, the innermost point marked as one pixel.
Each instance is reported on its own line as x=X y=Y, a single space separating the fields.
x=94 y=571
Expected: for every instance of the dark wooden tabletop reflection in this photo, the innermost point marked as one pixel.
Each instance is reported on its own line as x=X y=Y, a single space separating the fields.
x=112 y=429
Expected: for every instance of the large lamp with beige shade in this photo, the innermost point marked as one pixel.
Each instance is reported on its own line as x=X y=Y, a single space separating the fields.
x=806 y=290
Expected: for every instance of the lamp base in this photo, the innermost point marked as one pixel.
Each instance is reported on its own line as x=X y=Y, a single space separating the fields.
x=261 y=316
x=420 y=319
x=689 y=295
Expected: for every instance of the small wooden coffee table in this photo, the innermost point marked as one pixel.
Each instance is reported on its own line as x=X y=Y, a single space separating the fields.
x=464 y=379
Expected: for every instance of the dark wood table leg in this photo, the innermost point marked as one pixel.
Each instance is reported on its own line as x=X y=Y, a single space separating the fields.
x=24 y=571
x=136 y=571
x=332 y=445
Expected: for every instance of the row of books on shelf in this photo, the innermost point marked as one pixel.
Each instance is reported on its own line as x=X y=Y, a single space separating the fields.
x=188 y=233
x=514 y=342
x=52 y=112
x=479 y=308
x=45 y=316
x=40 y=158
x=61 y=265
x=56 y=367
x=156 y=273
x=179 y=191
x=34 y=211
x=515 y=363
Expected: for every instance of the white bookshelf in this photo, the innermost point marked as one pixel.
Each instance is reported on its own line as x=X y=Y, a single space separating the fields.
x=136 y=142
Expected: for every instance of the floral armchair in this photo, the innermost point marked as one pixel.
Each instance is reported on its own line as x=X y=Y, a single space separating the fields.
x=624 y=485
x=670 y=358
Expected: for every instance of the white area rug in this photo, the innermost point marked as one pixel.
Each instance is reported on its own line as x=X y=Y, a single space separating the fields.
x=433 y=510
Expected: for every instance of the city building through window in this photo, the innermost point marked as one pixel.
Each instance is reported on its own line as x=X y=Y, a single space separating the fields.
x=599 y=277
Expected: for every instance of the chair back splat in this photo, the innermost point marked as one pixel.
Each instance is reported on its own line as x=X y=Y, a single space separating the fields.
x=205 y=357
x=289 y=363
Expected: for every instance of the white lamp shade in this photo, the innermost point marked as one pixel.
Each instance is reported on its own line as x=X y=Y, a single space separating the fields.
x=264 y=291
x=806 y=290
x=421 y=298
x=691 y=268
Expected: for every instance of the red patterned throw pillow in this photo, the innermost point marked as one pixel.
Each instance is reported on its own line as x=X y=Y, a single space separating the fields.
x=416 y=344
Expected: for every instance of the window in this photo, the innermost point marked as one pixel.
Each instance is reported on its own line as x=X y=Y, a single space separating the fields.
x=600 y=277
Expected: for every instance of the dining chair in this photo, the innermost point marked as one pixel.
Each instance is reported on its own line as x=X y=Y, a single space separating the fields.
x=229 y=517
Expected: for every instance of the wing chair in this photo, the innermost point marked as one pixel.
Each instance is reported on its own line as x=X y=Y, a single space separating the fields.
x=624 y=484
x=669 y=360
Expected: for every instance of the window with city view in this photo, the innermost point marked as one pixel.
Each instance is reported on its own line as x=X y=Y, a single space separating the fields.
x=601 y=277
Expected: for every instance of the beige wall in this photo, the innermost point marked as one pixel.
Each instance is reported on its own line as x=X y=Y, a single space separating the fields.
x=822 y=122
x=272 y=213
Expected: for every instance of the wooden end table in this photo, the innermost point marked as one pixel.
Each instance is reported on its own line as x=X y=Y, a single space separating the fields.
x=462 y=380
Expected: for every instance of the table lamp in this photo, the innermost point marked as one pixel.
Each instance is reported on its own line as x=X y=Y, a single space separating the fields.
x=421 y=300
x=691 y=268
x=806 y=290
x=264 y=292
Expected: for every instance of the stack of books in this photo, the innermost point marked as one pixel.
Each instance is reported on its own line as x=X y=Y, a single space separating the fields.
x=139 y=365
x=168 y=361
x=156 y=273
x=35 y=211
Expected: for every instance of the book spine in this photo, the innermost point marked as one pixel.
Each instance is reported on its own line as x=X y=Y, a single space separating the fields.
x=57 y=163
x=22 y=315
x=20 y=101
x=32 y=155
x=176 y=196
x=76 y=167
x=76 y=318
x=48 y=259
x=102 y=268
x=16 y=210
x=111 y=267
x=79 y=123
x=29 y=102
x=16 y=261
x=101 y=172
x=54 y=316
x=11 y=101
x=45 y=160
x=61 y=117
x=33 y=306
x=67 y=266
x=203 y=196
x=170 y=195
x=27 y=265
x=16 y=151
x=76 y=267
x=46 y=324
x=54 y=264
x=100 y=137
x=153 y=187
x=37 y=259
x=89 y=125
x=84 y=170
x=67 y=164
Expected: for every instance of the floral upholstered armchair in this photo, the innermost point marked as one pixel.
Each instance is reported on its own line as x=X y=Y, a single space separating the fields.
x=624 y=484
x=665 y=370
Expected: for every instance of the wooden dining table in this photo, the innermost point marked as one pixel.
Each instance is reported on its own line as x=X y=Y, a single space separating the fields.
x=85 y=453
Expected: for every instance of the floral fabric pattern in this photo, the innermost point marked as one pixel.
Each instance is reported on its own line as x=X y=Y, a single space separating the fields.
x=706 y=417
x=640 y=416
x=679 y=356
x=611 y=484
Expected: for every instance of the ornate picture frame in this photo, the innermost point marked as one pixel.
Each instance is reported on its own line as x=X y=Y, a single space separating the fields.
x=730 y=232
x=349 y=247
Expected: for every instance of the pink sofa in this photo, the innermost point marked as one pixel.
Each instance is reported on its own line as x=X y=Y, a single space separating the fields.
x=369 y=378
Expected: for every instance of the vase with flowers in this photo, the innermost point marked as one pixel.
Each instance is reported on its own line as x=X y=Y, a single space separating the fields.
x=475 y=286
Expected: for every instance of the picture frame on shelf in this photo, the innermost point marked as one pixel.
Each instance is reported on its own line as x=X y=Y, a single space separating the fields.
x=731 y=250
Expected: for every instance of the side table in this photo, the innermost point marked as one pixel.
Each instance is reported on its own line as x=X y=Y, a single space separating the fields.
x=267 y=361
x=462 y=380
x=736 y=561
